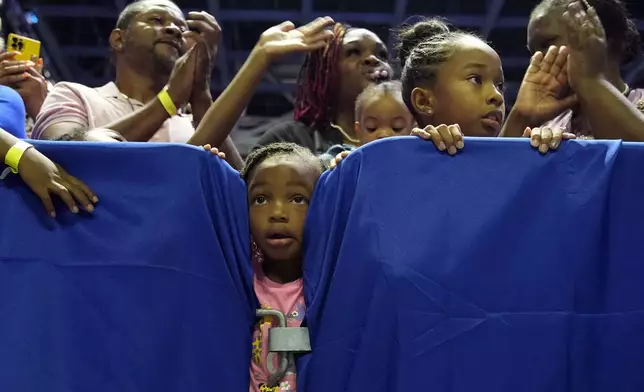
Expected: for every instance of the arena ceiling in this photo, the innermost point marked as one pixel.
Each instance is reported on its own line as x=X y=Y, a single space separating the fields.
x=75 y=34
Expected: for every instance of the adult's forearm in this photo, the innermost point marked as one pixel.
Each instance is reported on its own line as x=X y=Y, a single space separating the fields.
x=142 y=124
x=223 y=114
x=610 y=114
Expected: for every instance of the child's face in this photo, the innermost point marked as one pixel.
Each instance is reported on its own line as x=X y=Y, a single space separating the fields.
x=278 y=197
x=383 y=115
x=468 y=91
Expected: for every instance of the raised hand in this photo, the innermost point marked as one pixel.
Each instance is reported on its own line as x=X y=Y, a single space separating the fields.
x=205 y=32
x=203 y=71
x=33 y=90
x=182 y=77
x=206 y=26
x=24 y=77
x=13 y=71
x=284 y=38
x=587 y=42
x=542 y=95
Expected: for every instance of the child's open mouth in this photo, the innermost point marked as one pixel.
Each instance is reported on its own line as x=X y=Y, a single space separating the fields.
x=279 y=240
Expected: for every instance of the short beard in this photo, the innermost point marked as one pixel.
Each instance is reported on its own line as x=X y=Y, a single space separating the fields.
x=162 y=67
x=147 y=58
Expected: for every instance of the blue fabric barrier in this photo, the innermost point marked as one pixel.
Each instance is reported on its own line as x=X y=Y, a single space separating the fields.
x=152 y=293
x=12 y=112
x=495 y=270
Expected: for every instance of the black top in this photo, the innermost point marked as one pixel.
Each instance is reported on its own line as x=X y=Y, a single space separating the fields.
x=318 y=141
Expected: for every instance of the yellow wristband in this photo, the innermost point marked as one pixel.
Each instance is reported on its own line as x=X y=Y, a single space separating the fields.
x=166 y=101
x=15 y=153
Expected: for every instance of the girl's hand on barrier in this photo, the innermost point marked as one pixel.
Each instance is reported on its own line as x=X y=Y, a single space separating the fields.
x=214 y=151
x=445 y=137
x=546 y=139
x=338 y=158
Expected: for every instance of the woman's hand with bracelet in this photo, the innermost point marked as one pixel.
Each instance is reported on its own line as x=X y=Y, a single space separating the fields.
x=45 y=178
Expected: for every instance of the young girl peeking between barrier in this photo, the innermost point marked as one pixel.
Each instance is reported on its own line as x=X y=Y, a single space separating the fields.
x=280 y=179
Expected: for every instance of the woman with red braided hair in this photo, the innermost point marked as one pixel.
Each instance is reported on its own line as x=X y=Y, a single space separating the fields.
x=329 y=83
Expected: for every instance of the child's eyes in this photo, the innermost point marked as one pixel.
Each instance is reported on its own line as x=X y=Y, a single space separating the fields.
x=475 y=79
x=260 y=200
x=501 y=87
x=398 y=129
x=299 y=199
x=156 y=19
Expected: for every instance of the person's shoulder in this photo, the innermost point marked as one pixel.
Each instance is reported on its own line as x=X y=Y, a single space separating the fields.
x=289 y=127
x=66 y=91
x=71 y=86
x=288 y=131
x=65 y=102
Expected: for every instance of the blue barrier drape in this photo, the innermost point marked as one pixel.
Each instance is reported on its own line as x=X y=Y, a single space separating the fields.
x=495 y=270
x=152 y=293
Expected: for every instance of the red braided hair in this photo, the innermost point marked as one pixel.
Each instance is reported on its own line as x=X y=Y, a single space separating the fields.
x=318 y=82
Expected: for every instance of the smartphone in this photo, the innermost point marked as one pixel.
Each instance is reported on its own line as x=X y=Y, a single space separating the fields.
x=29 y=48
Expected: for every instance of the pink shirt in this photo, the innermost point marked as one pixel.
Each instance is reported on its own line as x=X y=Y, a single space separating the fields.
x=289 y=299
x=579 y=126
x=96 y=107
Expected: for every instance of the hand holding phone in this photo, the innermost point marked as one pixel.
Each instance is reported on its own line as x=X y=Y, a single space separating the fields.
x=23 y=74
x=26 y=49
x=13 y=71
